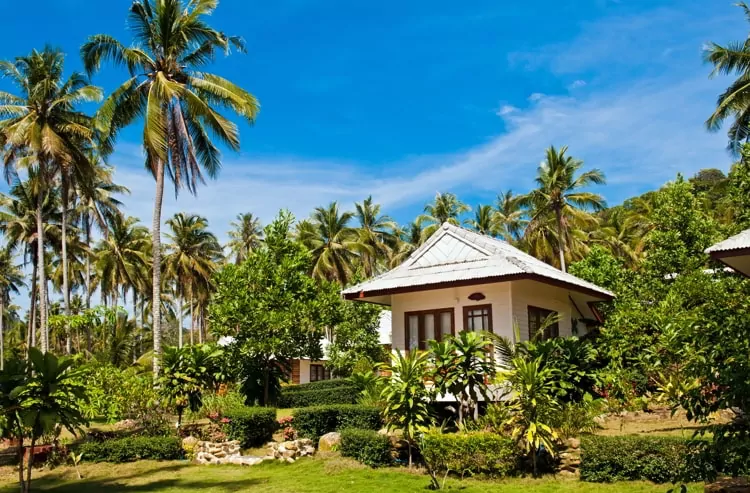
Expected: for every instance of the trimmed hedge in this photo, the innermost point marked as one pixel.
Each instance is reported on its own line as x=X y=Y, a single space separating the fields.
x=318 y=394
x=367 y=446
x=659 y=459
x=252 y=426
x=131 y=449
x=474 y=453
x=314 y=422
x=319 y=385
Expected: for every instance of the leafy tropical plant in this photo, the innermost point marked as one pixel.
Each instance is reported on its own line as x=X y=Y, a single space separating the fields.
x=463 y=367
x=406 y=396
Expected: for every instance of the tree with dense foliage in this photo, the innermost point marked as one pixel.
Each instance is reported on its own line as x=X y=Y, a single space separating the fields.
x=11 y=279
x=246 y=235
x=355 y=337
x=42 y=129
x=178 y=100
x=272 y=307
x=559 y=197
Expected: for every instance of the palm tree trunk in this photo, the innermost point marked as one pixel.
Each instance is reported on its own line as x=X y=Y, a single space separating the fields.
x=192 y=316
x=42 y=273
x=88 y=263
x=2 y=341
x=156 y=266
x=20 y=462
x=66 y=287
x=560 y=239
x=31 y=336
x=179 y=322
x=30 y=463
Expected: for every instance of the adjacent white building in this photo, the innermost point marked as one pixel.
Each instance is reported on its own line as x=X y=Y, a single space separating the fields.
x=734 y=252
x=461 y=280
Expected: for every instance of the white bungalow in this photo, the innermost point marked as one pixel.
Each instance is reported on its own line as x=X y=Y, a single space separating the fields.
x=734 y=252
x=461 y=280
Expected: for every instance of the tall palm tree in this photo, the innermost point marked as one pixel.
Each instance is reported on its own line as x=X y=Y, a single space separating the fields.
x=334 y=244
x=409 y=238
x=122 y=258
x=376 y=233
x=11 y=279
x=734 y=102
x=510 y=217
x=178 y=101
x=18 y=222
x=559 y=195
x=483 y=221
x=42 y=129
x=246 y=235
x=96 y=207
x=445 y=208
x=190 y=259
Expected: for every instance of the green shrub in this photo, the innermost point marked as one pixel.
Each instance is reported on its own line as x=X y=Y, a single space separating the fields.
x=658 y=459
x=319 y=385
x=214 y=404
x=367 y=446
x=313 y=422
x=131 y=449
x=469 y=453
x=252 y=426
x=320 y=397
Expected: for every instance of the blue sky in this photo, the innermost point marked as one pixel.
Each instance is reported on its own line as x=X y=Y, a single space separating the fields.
x=404 y=99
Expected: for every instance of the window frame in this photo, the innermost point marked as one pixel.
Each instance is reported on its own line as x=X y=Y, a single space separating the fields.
x=470 y=308
x=548 y=333
x=326 y=372
x=421 y=342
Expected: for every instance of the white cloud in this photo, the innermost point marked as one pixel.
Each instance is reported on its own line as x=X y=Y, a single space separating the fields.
x=506 y=109
x=576 y=84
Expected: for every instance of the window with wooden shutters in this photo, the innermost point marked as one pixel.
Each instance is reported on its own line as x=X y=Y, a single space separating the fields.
x=427 y=325
x=319 y=372
x=478 y=318
x=537 y=318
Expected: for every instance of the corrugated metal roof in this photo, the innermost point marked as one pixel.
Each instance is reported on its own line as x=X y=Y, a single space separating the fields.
x=736 y=242
x=456 y=254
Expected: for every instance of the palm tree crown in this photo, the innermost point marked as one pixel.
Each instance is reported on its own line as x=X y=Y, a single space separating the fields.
x=246 y=236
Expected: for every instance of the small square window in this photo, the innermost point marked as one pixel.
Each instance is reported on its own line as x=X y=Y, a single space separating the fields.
x=319 y=372
x=478 y=318
x=538 y=318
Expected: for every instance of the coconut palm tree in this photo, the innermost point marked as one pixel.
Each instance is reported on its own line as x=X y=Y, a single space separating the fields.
x=18 y=222
x=483 y=221
x=122 y=258
x=376 y=233
x=445 y=208
x=246 y=236
x=179 y=102
x=334 y=244
x=190 y=260
x=43 y=130
x=559 y=195
x=96 y=207
x=734 y=102
x=409 y=238
x=11 y=279
x=510 y=217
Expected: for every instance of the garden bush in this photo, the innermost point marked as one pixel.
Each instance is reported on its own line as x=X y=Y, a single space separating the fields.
x=252 y=426
x=367 y=446
x=131 y=449
x=658 y=459
x=318 y=394
x=313 y=422
x=469 y=453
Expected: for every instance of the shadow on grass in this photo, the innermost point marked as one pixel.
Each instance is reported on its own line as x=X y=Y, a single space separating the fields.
x=62 y=483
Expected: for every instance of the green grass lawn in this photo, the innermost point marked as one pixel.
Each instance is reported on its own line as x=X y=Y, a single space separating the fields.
x=318 y=475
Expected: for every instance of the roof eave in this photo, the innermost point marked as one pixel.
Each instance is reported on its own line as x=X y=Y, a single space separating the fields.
x=361 y=294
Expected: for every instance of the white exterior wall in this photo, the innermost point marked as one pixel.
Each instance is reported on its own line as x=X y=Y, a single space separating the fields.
x=509 y=300
x=304 y=371
x=498 y=295
x=531 y=293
